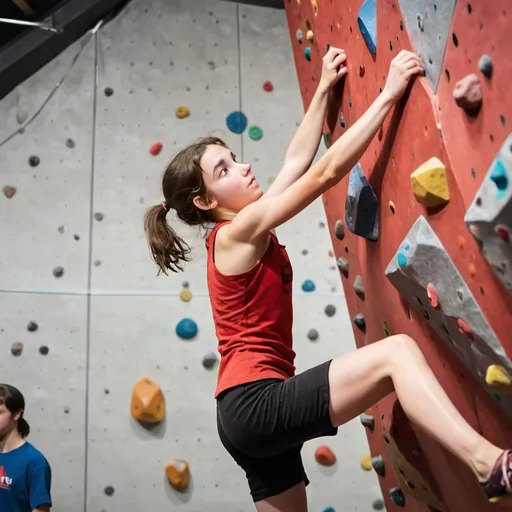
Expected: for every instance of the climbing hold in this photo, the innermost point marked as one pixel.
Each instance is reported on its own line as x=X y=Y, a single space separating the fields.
x=367 y=22
x=379 y=465
x=97 y=263
x=308 y=286
x=360 y=322
x=156 y=148
x=327 y=139
x=109 y=490
x=392 y=207
x=471 y=269
x=268 y=86
x=108 y=91
x=34 y=161
x=503 y=232
x=378 y=504
x=43 y=350
x=397 y=496
x=366 y=462
x=386 y=328
x=210 y=360
x=361 y=70
x=70 y=143
x=58 y=271
x=367 y=421
x=325 y=456
x=185 y=284
x=299 y=35
x=339 y=229
x=307 y=53
x=330 y=310
x=329 y=509
x=99 y=216
x=498 y=377
x=17 y=349
x=21 y=116
x=499 y=177
x=310 y=36
x=401 y=259
x=361 y=206
x=464 y=328
x=32 y=326
x=255 y=133
x=429 y=183
x=485 y=66
x=236 y=121
x=342 y=122
x=359 y=287
x=148 y=402
x=312 y=334
x=182 y=112
x=432 y=295
x=185 y=295
x=9 y=191
x=178 y=474
x=467 y=94
x=343 y=266
x=186 y=328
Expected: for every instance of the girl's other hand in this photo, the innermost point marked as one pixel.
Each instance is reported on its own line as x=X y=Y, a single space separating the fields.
x=332 y=68
x=403 y=67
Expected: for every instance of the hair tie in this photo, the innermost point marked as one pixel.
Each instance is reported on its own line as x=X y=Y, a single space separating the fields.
x=164 y=205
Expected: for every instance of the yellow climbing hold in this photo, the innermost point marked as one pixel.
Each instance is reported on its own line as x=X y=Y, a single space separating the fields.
x=366 y=462
x=498 y=377
x=271 y=180
x=310 y=36
x=185 y=295
x=429 y=183
x=182 y=112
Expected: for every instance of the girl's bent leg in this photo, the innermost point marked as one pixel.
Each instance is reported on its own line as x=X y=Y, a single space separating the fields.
x=359 y=379
x=292 y=500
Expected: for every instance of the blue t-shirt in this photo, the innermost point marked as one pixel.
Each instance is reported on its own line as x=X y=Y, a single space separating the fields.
x=25 y=479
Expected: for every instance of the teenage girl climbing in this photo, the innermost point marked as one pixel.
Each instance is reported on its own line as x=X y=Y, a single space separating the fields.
x=264 y=411
x=25 y=475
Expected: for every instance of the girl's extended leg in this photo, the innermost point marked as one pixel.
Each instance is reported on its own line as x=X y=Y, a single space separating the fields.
x=359 y=379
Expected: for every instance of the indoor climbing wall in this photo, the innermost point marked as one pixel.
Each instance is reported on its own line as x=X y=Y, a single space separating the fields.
x=421 y=226
x=119 y=366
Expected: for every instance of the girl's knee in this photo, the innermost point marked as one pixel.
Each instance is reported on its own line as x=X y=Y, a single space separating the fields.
x=405 y=346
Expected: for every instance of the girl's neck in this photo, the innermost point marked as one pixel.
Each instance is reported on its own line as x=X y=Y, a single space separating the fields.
x=11 y=441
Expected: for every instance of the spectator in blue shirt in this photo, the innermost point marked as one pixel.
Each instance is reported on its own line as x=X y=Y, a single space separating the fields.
x=25 y=475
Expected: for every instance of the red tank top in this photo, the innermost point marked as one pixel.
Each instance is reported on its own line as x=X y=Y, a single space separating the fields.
x=253 y=317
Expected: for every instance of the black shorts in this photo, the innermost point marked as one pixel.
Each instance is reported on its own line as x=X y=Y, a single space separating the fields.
x=264 y=424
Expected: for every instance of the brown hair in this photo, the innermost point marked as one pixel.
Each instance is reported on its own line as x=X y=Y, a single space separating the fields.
x=13 y=400
x=181 y=182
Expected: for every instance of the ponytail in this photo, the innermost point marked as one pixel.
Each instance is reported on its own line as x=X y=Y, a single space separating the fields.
x=23 y=427
x=167 y=248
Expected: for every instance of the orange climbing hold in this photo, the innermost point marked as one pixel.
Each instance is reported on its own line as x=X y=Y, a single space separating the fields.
x=464 y=328
x=432 y=295
x=178 y=474
x=472 y=269
x=156 y=148
x=148 y=402
x=325 y=456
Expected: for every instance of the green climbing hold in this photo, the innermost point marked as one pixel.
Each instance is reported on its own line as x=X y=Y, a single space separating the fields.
x=255 y=133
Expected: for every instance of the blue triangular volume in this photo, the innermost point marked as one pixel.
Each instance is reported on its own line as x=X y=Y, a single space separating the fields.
x=361 y=206
x=367 y=21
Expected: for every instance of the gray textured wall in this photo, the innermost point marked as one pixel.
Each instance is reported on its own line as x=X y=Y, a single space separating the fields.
x=109 y=320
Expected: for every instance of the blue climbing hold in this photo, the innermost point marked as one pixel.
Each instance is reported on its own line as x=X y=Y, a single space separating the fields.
x=402 y=259
x=367 y=21
x=186 y=328
x=307 y=53
x=342 y=122
x=397 y=496
x=329 y=509
x=407 y=247
x=500 y=178
x=237 y=121
x=361 y=206
x=308 y=286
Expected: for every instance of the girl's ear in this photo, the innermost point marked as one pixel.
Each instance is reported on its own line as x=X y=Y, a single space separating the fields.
x=200 y=203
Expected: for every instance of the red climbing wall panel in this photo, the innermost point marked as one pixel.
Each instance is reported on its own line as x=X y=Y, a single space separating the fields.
x=431 y=124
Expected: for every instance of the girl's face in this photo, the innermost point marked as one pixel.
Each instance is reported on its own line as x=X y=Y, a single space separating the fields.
x=231 y=185
x=7 y=420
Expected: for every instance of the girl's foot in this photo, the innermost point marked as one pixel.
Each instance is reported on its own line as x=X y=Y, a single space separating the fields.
x=498 y=486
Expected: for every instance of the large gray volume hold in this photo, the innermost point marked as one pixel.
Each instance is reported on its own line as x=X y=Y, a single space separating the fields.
x=421 y=259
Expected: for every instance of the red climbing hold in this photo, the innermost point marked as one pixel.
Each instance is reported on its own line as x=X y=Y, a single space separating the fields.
x=325 y=456
x=432 y=295
x=361 y=70
x=502 y=232
x=156 y=148
x=268 y=86
x=464 y=328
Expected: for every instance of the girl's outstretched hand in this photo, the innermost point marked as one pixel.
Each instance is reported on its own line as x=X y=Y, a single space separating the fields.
x=333 y=67
x=403 y=67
